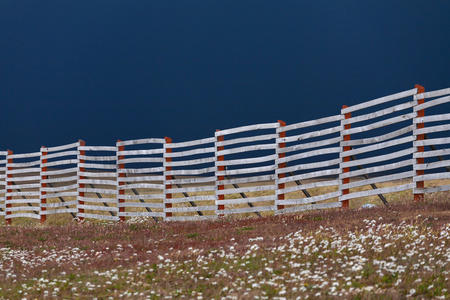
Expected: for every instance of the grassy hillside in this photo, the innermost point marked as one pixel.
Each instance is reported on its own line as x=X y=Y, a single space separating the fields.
x=400 y=251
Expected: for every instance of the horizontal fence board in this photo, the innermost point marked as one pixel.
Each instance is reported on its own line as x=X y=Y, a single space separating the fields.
x=24 y=155
x=141 y=204
x=97 y=158
x=190 y=152
x=379 y=101
x=191 y=218
x=270 y=198
x=59 y=188
x=141 y=170
x=309 y=207
x=57 y=195
x=378 y=146
x=431 y=103
x=25 y=186
x=326 y=163
x=380 y=113
x=310 y=145
x=442 y=188
x=98 y=166
x=379 y=124
x=316 y=174
x=308 y=154
x=297 y=188
x=63 y=179
x=432 y=129
x=433 y=165
x=59 y=172
x=98 y=148
x=24 y=165
x=192 y=198
x=432 y=153
x=380 y=138
x=263 y=137
x=191 y=209
x=60 y=154
x=391 y=189
x=434 y=176
x=307 y=200
x=59 y=211
x=428 y=142
x=141 y=141
x=26 y=170
x=141 y=178
x=379 y=179
x=245 y=161
x=99 y=217
x=190 y=143
x=143 y=197
x=26 y=194
x=141 y=186
x=22 y=215
x=97 y=181
x=191 y=172
x=190 y=162
x=23 y=201
x=59 y=204
x=141 y=214
x=377 y=169
x=248 y=189
x=97 y=207
x=310 y=123
x=313 y=134
x=245 y=149
x=140 y=160
x=60 y=148
x=23 y=208
x=140 y=152
x=100 y=191
x=246 y=171
x=433 y=94
x=98 y=200
x=208 y=188
x=246 y=179
x=98 y=174
x=246 y=210
x=246 y=128
x=377 y=159
x=191 y=180
x=433 y=118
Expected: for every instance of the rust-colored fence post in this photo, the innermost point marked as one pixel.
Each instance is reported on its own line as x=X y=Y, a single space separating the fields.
x=281 y=134
x=420 y=137
x=43 y=200
x=345 y=203
x=79 y=178
x=121 y=193
x=221 y=187
x=9 y=183
x=167 y=177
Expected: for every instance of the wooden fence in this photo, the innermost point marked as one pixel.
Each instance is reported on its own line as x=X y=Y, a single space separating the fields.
x=368 y=150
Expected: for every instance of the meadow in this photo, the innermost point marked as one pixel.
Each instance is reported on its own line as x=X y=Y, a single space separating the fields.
x=390 y=252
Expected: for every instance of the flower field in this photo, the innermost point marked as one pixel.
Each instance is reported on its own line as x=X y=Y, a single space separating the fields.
x=377 y=253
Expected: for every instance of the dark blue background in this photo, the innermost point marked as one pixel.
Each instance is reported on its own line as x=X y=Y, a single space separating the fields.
x=107 y=70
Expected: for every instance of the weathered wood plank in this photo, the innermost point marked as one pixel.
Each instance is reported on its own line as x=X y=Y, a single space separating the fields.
x=263 y=137
x=59 y=211
x=246 y=179
x=98 y=200
x=140 y=142
x=313 y=134
x=248 y=189
x=247 y=210
x=100 y=217
x=26 y=186
x=379 y=179
x=210 y=179
x=313 y=153
x=97 y=166
x=245 y=149
x=378 y=158
x=434 y=118
x=100 y=191
x=190 y=152
x=193 y=198
x=141 y=170
x=141 y=178
x=57 y=195
x=24 y=201
x=433 y=94
x=190 y=162
x=246 y=171
x=309 y=207
x=378 y=146
x=141 y=152
x=26 y=194
x=378 y=139
x=60 y=154
x=96 y=181
x=22 y=215
x=246 y=161
x=246 y=128
x=434 y=176
x=59 y=204
x=379 y=101
x=442 y=188
x=98 y=148
x=191 y=209
x=141 y=214
x=142 y=196
x=141 y=186
x=190 y=143
x=98 y=174
x=63 y=179
x=431 y=103
x=310 y=145
x=308 y=200
x=379 y=124
x=391 y=189
x=270 y=198
x=378 y=169
x=310 y=123
x=326 y=163
x=437 y=141
x=433 y=165
x=59 y=188
x=60 y=163
x=431 y=129
x=98 y=207
x=310 y=175
x=312 y=185
x=141 y=160
x=59 y=172
x=25 y=155
x=434 y=153
x=60 y=148
x=191 y=172
x=208 y=188
x=24 y=165
x=98 y=158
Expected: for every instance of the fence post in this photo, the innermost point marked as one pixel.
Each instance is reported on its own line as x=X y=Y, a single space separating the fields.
x=221 y=187
x=81 y=186
x=121 y=193
x=280 y=186
x=9 y=184
x=345 y=203
x=43 y=200
x=167 y=187
x=420 y=137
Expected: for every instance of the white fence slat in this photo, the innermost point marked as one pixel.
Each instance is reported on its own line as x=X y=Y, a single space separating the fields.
x=310 y=123
x=26 y=186
x=141 y=214
x=313 y=153
x=380 y=113
x=246 y=171
x=98 y=148
x=60 y=148
x=190 y=152
x=97 y=166
x=190 y=162
x=379 y=179
x=326 y=163
x=437 y=141
x=433 y=118
x=98 y=174
x=98 y=200
x=192 y=199
x=60 y=163
x=191 y=180
x=391 y=189
x=246 y=128
x=97 y=207
x=379 y=101
x=100 y=191
x=246 y=179
x=191 y=209
x=378 y=139
x=24 y=201
x=98 y=158
x=247 y=200
x=141 y=170
x=312 y=185
x=57 y=195
x=379 y=124
x=208 y=188
x=442 y=188
x=431 y=129
x=100 y=217
x=23 y=165
x=432 y=153
x=143 y=197
x=433 y=94
x=432 y=103
x=377 y=159
x=59 y=211
x=309 y=207
x=63 y=179
x=190 y=143
x=24 y=155
x=247 y=210
x=141 y=178
x=433 y=165
x=248 y=189
x=141 y=141
x=310 y=145
x=59 y=188
x=59 y=204
x=23 y=208
x=59 y=172
x=263 y=137
x=140 y=152
x=22 y=215
x=434 y=176
x=191 y=172
x=59 y=154
x=141 y=186
x=378 y=146
x=95 y=181
x=317 y=198
x=142 y=204
x=310 y=175
x=311 y=134
x=246 y=161
x=245 y=149
x=377 y=169
x=26 y=170
x=140 y=160
x=26 y=194
x=191 y=218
